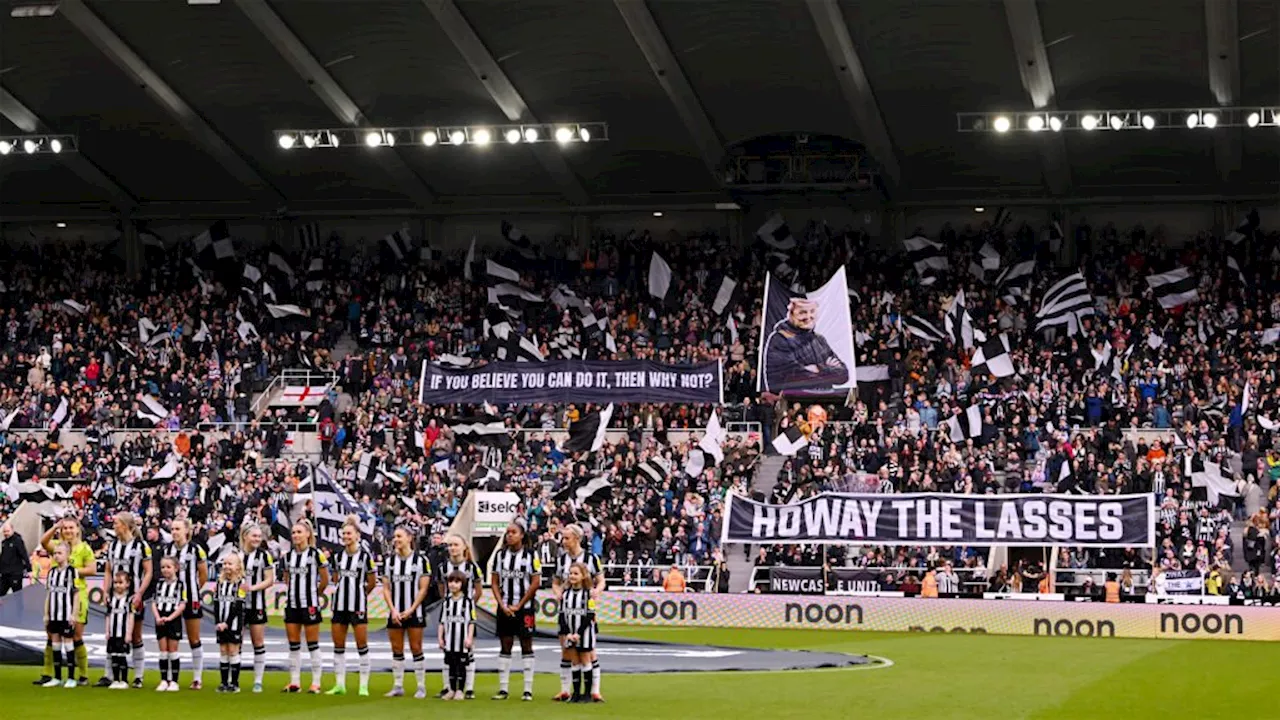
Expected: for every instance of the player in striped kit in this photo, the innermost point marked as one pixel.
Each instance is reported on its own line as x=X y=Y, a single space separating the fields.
x=459 y=560
x=578 y=628
x=130 y=554
x=354 y=576
x=193 y=571
x=306 y=574
x=168 y=604
x=573 y=553
x=515 y=574
x=60 y=612
x=119 y=630
x=259 y=575
x=406 y=579
x=457 y=633
x=228 y=615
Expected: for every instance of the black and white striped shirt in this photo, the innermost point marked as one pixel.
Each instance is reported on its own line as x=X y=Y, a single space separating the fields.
x=128 y=557
x=564 y=562
x=189 y=557
x=469 y=570
x=228 y=605
x=577 y=610
x=403 y=575
x=303 y=568
x=119 y=610
x=257 y=565
x=515 y=571
x=61 y=602
x=457 y=614
x=169 y=595
x=349 y=571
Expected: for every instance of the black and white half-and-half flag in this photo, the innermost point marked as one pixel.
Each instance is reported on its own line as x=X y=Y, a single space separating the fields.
x=725 y=295
x=586 y=489
x=708 y=452
x=588 y=432
x=1176 y=287
x=481 y=431
x=967 y=424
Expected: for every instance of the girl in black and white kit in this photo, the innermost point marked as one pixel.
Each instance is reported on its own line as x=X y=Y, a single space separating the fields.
x=306 y=574
x=353 y=576
x=406 y=578
x=60 y=609
x=259 y=575
x=228 y=616
x=169 y=603
x=119 y=630
x=457 y=634
x=459 y=561
x=578 y=628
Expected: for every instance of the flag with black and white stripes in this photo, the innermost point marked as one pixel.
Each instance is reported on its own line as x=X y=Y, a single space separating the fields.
x=399 y=244
x=481 y=430
x=925 y=254
x=1176 y=287
x=1065 y=302
x=308 y=235
x=587 y=433
x=923 y=329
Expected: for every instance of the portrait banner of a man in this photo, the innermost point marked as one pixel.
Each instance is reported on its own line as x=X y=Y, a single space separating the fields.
x=807 y=344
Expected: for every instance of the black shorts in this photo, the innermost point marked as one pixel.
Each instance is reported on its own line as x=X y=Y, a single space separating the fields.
x=522 y=624
x=117 y=646
x=347 y=617
x=255 y=617
x=302 y=616
x=230 y=637
x=169 y=631
x=193 y=611
x=60 y=628
x=412 y=621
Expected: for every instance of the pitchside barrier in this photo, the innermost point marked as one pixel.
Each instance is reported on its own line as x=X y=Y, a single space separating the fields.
x=889 y=614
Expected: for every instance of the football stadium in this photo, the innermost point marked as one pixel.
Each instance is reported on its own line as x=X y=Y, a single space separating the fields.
x=793 y=358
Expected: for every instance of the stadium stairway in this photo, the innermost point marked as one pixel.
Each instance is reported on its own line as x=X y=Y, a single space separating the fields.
x=739 y=557
x=341 y=349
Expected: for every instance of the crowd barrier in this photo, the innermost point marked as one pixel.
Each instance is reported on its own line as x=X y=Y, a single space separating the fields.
x=1047 y=618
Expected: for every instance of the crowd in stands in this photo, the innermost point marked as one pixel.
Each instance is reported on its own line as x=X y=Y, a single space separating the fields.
x=74 y=331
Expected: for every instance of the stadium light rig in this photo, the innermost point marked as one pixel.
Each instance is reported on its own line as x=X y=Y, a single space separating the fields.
x=1208 y=118
x=433 y=135
x=37 y=144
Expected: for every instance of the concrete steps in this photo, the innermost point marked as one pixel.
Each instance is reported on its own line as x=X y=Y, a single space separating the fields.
x=738 y=557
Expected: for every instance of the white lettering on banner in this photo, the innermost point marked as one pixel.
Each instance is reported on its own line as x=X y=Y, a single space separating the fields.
x=1060 y=525
x=980 y=529
x=927 y=520
x=1033 y=514
x=563 y=379
x=789 y=521
x=662 y=379
x=1010 y=526
x=851 y=522
x=628 y=379
x=1110 y=526
x=533 y=380
x=951 y=520
x=1085 y=523
x=764 y=522
x=820 y=518
x=903 y=507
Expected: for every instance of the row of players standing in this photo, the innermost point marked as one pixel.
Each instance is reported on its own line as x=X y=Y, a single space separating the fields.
x=240 y=603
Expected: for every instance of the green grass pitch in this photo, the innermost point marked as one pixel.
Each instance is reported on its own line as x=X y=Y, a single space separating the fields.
x=932 y=676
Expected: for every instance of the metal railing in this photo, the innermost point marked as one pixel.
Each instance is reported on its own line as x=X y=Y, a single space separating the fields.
x=698 y=578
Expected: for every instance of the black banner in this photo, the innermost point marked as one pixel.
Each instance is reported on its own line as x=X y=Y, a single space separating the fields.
x=796 y=581
x=1184 y=582
x=946 y=519
x=563 y=381
x=814 y=581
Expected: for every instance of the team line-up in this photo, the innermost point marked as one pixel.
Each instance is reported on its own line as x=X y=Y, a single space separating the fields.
x=138 y=583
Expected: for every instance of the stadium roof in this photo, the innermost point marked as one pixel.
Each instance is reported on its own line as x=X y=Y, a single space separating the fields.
x=175 y=105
